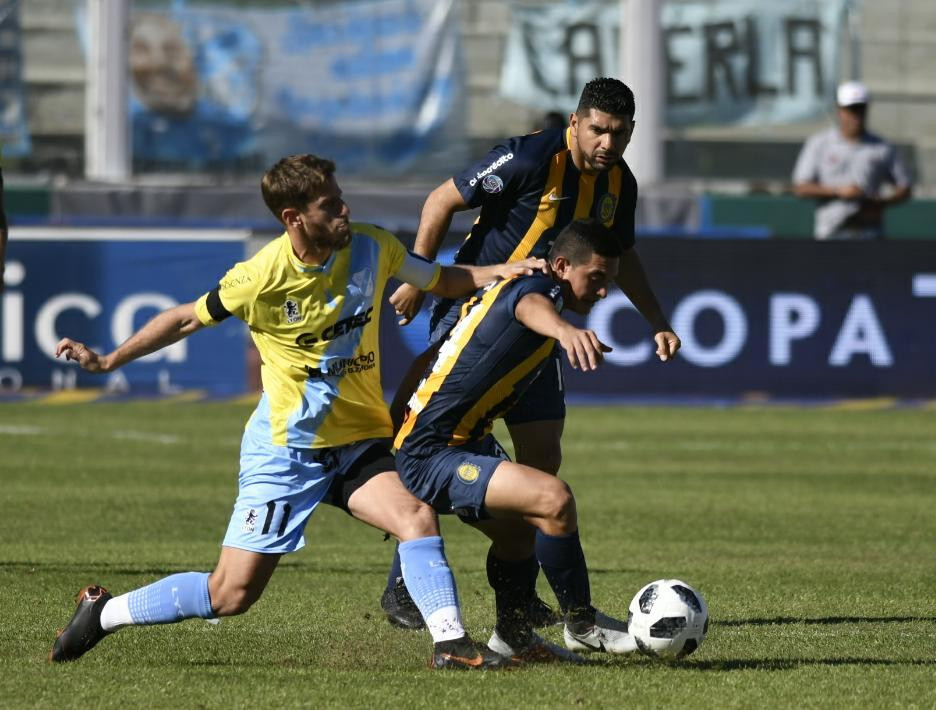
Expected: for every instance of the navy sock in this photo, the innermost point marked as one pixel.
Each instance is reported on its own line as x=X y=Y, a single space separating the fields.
x=563 y=563
x=514 y=585
x=396 y=570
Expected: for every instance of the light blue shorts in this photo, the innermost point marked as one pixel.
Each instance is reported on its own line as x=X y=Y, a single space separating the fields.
x=279 y=487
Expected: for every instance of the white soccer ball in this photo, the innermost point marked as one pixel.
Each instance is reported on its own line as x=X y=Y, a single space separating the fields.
x=668 y=619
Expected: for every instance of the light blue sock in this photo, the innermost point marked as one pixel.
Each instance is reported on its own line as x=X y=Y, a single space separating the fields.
x=174 y=598
x=432 y=586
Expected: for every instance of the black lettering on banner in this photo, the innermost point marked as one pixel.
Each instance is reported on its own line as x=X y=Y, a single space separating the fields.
x=577 y=35
x=673 y=65
x=797 y=28
x=529 y=44
x=754 y=87
x=718 y=55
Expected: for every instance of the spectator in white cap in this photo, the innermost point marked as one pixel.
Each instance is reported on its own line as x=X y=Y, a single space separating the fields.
x=846 y=169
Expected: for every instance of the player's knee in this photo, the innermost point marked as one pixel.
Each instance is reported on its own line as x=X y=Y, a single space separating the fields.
x=420 y=521
x=559 y=507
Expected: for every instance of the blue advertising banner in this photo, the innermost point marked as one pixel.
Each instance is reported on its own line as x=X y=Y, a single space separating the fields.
x=783 y=319
x=733 y=61
x=372 y=84
x=99 y=292
x=14 y=134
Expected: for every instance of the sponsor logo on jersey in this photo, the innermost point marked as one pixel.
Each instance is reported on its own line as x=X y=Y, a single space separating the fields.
x=337 y=329
x=490 y=168
x=292 y=311
x=492 y=183
x=340 y=367
x=468 y=472
x=236 y=281
x=606 y=207
x=553 y=196
x=250 y=521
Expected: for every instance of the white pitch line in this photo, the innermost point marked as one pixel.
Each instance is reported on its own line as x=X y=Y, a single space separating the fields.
x=15 y=430
x=167 y=439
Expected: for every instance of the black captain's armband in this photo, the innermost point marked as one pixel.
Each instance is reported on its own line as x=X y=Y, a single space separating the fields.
x=216 y=309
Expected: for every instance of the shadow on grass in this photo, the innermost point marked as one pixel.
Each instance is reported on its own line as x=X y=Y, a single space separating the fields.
x=755 y=664
x=825 y=620
x=786 y=664
x=124 y=569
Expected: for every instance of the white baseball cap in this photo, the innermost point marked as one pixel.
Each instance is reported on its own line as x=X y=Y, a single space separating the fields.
x=852 y=93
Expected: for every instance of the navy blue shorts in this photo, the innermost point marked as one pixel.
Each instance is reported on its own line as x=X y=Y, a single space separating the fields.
x=454 y=479
x=544 y=399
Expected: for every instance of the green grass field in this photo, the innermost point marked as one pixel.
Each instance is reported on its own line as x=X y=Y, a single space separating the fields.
x=811 y=533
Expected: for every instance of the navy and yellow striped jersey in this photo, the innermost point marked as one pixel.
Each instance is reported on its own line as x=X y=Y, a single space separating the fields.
x=484 y=365
x=529 y=189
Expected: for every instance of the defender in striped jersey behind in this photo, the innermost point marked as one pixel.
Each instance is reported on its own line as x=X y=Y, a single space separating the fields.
x=529 y=188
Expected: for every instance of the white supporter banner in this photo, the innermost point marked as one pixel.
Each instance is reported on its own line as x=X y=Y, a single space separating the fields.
x=739 y=62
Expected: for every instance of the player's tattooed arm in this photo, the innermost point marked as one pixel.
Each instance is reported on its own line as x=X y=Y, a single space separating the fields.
x=538 y=313
x=163 y=329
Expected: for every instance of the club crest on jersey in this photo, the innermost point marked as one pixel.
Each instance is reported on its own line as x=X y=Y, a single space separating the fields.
x=250 y=521
x=468 y=472
x=555 y=293
x=292 y=311
x=492 y=183
x=606 y=207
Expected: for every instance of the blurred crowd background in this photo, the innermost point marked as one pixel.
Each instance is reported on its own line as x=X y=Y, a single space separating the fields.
x=403 y=92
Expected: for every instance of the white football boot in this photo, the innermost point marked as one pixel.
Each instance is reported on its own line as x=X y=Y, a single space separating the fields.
x=607 y=634
x=539 y=650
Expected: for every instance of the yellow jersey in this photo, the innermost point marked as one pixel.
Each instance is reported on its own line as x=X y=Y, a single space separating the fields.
x=316 y=328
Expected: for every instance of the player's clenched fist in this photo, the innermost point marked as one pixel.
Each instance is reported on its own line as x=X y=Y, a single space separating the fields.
x=80 y=353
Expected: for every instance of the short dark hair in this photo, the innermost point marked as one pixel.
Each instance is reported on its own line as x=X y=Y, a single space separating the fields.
x=584 y=237
x=294 y=181
x=609 y=96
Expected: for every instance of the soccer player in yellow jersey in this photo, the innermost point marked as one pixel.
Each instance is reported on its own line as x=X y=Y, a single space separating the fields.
x=320 y=432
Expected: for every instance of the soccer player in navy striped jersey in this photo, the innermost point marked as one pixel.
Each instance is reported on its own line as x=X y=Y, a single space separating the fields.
x=529 y=188
x=446 y=455
x=320 y=432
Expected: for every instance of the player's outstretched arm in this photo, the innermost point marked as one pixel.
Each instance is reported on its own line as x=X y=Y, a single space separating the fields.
x=164 y=329
x=634 y=283
x=584 y=350
x=434 y=222
x=462 y=279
